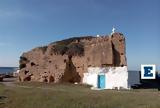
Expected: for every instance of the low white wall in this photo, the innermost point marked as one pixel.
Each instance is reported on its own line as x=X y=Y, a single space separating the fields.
x=114 y=76
x=91 y=79
x=117 y=77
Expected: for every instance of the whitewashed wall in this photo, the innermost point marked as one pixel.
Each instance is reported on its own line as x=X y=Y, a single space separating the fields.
x=91 y=79
x=115 y=76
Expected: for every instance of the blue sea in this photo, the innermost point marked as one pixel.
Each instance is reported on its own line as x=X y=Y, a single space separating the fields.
x=6 y=70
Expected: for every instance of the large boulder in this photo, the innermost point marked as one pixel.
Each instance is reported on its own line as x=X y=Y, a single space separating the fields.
x=67 y=60
x=1 y=78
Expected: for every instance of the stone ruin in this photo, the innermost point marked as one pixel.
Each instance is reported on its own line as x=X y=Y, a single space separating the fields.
x=67 y=60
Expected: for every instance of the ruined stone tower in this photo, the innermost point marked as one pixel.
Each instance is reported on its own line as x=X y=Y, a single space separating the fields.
x=67 y=60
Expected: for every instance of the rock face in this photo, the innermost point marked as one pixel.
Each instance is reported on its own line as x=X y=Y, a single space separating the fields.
x=67 y=60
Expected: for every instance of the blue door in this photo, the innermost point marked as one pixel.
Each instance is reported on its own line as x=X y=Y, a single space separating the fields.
x=101 y=81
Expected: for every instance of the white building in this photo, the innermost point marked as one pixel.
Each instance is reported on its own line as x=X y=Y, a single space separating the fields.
x=15 y=74
x=109 y=77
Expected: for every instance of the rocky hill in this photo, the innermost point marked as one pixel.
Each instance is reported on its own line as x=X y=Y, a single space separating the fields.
x=67 y=60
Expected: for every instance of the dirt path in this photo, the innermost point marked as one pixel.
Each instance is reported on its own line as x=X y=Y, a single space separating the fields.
x=10 y=82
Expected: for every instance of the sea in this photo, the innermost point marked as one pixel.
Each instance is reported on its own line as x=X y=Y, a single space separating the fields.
x=8 y=70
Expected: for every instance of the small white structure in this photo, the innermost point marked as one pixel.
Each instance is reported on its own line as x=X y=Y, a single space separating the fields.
x=107 y=78
x=98 y=35
x=111 y=77
x=113 y=30
x=15 y=74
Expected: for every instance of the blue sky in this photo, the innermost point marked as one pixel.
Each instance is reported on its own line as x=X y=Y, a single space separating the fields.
x=25 y=24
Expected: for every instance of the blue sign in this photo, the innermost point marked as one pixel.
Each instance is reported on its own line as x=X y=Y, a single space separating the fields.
x=148 y=71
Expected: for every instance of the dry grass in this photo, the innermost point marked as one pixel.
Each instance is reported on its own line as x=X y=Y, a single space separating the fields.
x=42 y=95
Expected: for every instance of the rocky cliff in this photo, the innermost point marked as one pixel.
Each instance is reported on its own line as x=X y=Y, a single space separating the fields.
x=67 y=60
